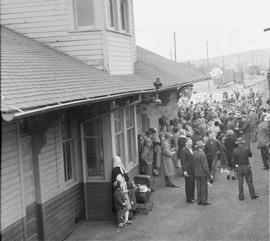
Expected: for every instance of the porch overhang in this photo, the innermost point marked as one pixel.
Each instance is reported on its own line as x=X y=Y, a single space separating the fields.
x=17 y=113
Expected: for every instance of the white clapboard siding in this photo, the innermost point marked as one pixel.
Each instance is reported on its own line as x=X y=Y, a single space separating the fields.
x=119 y=53
x=48 y=22
x=132 y=32
x=51 y=164
x=11 y=210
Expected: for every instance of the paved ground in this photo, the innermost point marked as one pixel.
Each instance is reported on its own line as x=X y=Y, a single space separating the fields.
x=173 y=219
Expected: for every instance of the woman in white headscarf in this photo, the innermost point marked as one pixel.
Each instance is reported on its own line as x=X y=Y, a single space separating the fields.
x=119 y=174
x=118 y=168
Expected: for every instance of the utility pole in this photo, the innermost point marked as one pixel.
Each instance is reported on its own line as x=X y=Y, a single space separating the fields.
x=268 y=72
x=174 y=40
x=207 y=56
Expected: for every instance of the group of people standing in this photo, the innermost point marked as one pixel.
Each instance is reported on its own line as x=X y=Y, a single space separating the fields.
x=206 y=137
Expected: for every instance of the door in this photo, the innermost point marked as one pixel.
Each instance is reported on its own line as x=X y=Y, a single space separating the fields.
x=31 y=227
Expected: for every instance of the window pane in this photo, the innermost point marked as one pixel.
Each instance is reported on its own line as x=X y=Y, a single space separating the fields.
x=124 y=14
x=67 y=160
x=92 y=128
x=94 y=156
x=129 y=116
x=131 y=144
x=94 y=147
x=120 y=147
x=66 y=126
x=118 y=121
x=85 y=12
x=111 y=13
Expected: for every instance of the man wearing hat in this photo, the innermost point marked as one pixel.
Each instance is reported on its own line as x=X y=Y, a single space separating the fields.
x=243 y=169
x=201 y=173
x=263 y=140
x=187 y=163
x=167 y=153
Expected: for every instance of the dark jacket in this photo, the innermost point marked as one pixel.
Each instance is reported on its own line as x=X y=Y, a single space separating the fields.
x=230 y=144
x=240 y=155
x=181 y=144
x=200 y=164
x=187 y=161
x=212 y=148
x=119 y=200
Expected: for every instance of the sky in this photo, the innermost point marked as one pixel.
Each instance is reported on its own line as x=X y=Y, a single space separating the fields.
x=229 y=26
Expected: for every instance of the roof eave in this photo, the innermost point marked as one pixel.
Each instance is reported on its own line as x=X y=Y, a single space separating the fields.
x=15 y=114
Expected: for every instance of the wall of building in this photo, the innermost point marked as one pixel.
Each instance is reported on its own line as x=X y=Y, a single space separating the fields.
x=154 y=112
x=120 y=53
x=132 y=31
x=62 y=212
x=11 y=195
x=50 y=22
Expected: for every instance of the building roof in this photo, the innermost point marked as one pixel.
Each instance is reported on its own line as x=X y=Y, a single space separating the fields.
x=36 y=77
x=162 y=65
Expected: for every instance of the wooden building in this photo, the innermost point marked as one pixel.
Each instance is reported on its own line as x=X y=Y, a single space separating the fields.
x=72 y=96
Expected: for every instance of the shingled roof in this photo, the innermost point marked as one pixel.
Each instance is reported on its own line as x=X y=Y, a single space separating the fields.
x=165 y=68
x=35 y=76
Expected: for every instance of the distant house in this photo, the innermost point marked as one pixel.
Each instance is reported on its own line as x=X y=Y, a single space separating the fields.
x=74 y=92
x=254 y=70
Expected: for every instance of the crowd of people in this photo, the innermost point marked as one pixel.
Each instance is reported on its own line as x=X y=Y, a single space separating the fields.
x=206 y=137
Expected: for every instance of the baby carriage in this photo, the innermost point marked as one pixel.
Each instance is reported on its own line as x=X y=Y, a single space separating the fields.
x=143 y=194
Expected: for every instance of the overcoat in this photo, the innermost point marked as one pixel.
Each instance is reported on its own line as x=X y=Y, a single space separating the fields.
x=263 y=134
x=187 y=161
x=200 y=164
x=168 y=165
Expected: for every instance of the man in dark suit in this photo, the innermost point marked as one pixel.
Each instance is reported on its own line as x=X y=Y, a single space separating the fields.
x=212 y=150
x=243 y=169
x=186 y=157
x=201 y=173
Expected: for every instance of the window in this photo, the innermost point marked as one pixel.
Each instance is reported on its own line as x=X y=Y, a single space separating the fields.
x=119 y=133
x=118 y=16
x=130 y=129
x=67 y=145
x=112 y=13
x=93 y=146
x=84 y=13
x=124 y=15
x=125 y=137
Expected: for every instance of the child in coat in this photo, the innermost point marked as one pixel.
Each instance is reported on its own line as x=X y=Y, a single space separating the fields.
x=120 y=204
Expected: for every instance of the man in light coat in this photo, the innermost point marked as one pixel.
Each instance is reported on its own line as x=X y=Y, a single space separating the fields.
x=201 y=173
x=263 y=140
x=168 y=165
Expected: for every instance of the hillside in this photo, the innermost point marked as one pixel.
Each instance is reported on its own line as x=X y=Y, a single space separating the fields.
x=260 y=57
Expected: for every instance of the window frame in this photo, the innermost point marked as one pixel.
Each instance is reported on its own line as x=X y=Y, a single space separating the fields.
x=126 y=16
x=73 y=20
x=71 y=142
x=129 y=164
x=118 y=16
x=112 y=5
x=87 y=137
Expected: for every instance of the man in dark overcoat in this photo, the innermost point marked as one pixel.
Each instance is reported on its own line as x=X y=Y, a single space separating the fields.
x=187 y=162
x=212 y=150
x=201 y=173
x=240 y=158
